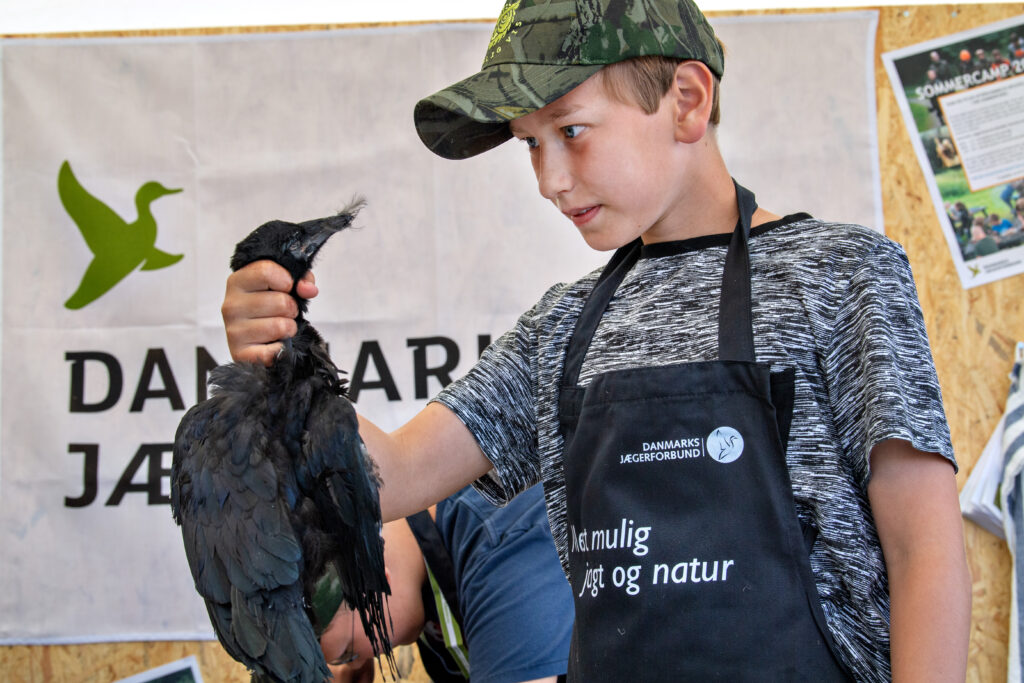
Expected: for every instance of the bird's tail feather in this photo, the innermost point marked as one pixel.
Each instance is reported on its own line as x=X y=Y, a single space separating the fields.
x=274 y=631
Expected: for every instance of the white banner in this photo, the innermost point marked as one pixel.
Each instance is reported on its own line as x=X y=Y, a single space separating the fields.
x=99 y=364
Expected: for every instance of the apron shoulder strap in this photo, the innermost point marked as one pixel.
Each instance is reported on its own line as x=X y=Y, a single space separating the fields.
x=570 y=396
x=735 y=331
x=621 y=261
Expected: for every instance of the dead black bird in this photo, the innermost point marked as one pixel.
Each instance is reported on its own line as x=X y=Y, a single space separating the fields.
x=275 y=494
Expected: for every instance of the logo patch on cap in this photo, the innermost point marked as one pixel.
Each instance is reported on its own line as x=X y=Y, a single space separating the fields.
x=505 y=22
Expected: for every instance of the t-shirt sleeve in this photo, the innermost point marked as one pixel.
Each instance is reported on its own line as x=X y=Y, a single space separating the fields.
x=881 y=376
x=495 y=400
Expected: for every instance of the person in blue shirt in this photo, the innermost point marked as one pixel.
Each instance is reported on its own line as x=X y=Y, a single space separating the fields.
x=478 y=588
x=998 y=225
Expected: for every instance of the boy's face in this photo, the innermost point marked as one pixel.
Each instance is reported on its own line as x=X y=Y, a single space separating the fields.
x=609 y=167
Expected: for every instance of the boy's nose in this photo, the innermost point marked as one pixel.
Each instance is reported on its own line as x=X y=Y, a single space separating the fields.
x=553 y=175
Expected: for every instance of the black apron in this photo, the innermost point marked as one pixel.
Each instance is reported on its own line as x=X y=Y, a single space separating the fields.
x=686 y=557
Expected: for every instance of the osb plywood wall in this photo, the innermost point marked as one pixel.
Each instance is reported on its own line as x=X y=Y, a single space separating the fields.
x=972 y=332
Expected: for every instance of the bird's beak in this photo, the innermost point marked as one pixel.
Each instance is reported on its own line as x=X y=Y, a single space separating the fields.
x=317 y=232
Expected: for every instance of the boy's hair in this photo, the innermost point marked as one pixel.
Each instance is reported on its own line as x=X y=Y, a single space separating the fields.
x=542 y=49
x=643 y=81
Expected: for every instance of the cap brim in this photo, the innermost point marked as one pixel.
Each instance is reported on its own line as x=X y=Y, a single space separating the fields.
x=472 y=116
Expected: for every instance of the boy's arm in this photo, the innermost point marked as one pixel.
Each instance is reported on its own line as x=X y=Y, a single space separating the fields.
x=427 y=459
x=914 y=502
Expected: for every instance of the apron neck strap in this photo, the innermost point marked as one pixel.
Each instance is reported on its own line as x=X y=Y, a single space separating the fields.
x=735 y=334
x=621 y=261
x=735 y=330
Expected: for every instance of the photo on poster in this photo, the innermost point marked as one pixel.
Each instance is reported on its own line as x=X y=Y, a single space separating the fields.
x=961 y=97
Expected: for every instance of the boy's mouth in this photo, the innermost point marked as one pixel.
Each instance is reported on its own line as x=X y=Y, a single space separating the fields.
x=581 y=215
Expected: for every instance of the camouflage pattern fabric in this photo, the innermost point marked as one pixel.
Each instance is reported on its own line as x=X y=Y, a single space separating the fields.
x=540 y=50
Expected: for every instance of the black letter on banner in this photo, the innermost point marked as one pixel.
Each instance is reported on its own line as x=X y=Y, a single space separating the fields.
x=90 y=474
x=482 y=342
x=367 y=350
x=156 y=474
x=114 y=381
x=419 y=362
x=155 y=358
x=204 y=363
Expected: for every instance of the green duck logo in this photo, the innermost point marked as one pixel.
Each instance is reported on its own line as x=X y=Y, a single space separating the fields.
x=118 y=247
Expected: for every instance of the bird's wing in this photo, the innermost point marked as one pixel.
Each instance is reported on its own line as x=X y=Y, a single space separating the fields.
x=244 y=555
x=94 y=219
x=157 y=259
x=336 y=466
x=225 y=496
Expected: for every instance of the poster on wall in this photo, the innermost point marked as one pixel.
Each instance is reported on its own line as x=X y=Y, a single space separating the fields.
x=961 y=97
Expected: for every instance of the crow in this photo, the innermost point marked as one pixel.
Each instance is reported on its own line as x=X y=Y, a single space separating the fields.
x=275 y=493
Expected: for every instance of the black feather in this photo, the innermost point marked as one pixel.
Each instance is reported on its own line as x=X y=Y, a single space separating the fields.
x=275 y=493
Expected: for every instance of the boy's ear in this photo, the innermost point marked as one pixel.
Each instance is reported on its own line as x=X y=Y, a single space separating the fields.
x=692 y=92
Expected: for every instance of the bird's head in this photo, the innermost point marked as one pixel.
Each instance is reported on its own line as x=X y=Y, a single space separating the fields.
x=292 y=245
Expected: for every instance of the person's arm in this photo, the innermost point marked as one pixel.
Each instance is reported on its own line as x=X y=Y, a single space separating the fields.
x=914 y=501
x=427 y=459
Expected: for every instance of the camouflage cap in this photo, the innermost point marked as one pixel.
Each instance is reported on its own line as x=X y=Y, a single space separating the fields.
x=542 y=49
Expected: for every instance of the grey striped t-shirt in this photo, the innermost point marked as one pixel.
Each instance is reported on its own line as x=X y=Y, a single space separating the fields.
x=836 y=302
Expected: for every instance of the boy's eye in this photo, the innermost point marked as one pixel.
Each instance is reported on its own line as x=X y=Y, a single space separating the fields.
x=572 y=131
x=530 y=142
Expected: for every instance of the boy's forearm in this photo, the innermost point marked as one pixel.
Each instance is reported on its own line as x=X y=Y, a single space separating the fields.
x=429 y=458
x=930 y=618
x=914 y=502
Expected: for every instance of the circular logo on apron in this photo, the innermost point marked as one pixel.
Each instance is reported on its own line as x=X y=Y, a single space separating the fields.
x=725 y=444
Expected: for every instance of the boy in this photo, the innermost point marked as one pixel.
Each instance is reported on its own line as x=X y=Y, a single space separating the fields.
x=717 y=517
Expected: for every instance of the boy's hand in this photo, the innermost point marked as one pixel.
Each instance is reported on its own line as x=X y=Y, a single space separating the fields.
x=258 y=310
